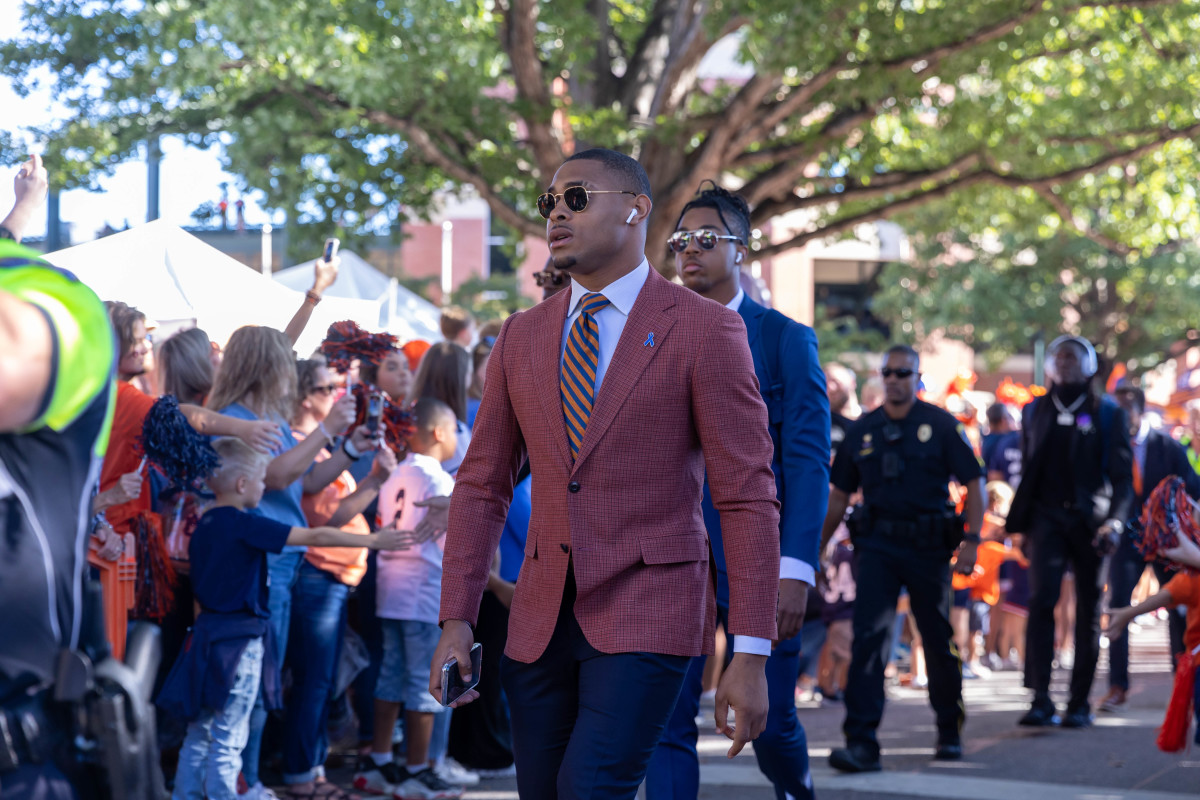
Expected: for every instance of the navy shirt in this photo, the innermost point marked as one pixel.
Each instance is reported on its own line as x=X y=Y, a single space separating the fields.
x=1006 y=457
x=229 y=560
x=924 y=451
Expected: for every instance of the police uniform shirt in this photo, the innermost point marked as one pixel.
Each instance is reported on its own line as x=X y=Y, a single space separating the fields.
x=926 y=449
x=838 y=425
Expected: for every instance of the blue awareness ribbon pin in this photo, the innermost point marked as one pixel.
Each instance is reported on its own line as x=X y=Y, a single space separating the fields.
x=649 y=340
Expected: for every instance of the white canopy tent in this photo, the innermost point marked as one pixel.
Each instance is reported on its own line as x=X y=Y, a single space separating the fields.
x=401 y=311
x=178 y=280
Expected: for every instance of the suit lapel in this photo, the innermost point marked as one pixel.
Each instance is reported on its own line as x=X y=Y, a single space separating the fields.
x=752 y=315
x=632 y=356
x=547 y=363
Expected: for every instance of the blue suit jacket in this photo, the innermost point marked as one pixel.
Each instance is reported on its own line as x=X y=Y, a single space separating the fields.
x=801 y=463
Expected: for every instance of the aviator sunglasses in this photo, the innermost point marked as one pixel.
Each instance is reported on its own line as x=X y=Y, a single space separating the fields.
x=576 y=198
x=707 y=240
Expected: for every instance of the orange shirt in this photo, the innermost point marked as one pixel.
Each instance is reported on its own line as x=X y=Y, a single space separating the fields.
x=124 y=454
x=1185 y=591
x=984 y=582
x=347 y=564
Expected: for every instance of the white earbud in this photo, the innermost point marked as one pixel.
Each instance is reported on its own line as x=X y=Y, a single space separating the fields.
x=738 y=260
x=629 y=219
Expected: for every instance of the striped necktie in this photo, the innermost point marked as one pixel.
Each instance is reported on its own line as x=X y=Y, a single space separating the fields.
x=578 y=379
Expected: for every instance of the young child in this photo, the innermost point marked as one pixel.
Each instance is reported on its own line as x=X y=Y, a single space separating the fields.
x=1181 y=590
x=215 y=680
x=408 y=597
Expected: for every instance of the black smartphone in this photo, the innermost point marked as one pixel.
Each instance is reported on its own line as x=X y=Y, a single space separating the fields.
x=374 y=411
x=331 y=248
x=453 y=686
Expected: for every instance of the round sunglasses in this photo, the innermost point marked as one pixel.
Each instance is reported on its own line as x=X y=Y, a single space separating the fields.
x=576 y=198
x=706 y=239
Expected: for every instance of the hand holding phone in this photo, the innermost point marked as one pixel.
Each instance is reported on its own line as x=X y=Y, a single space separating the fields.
x=374 y=411
x=331 y=248
x=453 y=685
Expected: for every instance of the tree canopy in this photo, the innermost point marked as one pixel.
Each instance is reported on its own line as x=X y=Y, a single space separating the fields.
x=842 y=111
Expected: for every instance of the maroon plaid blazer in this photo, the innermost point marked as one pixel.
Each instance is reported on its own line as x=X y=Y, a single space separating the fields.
x=627 y=512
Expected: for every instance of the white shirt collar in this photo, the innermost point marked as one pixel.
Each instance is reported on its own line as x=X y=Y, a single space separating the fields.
x=621 y=293
x=1143 y=431
x=736 y=302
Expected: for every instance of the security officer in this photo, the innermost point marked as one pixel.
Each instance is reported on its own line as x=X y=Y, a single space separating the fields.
x=904 y=455
x=57 y=679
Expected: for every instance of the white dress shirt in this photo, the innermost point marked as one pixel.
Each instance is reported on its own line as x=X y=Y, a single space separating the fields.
x=789 y=568
x=610 y=323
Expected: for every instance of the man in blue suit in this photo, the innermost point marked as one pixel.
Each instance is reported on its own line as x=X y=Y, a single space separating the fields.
x=710 y=244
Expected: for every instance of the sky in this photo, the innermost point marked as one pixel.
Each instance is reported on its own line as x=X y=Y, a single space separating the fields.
x=189 y=176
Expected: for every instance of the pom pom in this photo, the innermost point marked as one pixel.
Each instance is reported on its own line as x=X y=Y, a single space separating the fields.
x=345 y=341
x=154 y=592
x=1166 y=517
x=185 y=457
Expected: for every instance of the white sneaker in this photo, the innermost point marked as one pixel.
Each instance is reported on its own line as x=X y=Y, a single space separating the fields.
x=455 y=773
x=426 y=785
x=507 y=772
x=375 y=778
x=258 y=792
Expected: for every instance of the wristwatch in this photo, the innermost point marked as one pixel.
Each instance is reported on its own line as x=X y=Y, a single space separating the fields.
x=972 y=538
x=1117 y=526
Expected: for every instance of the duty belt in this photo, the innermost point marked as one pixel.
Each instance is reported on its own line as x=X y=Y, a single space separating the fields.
x=26 y=732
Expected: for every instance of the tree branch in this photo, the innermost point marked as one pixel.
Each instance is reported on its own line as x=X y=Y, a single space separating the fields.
x=517 y=30
x=455 y=168
x=1077 y=223
x=982 y=174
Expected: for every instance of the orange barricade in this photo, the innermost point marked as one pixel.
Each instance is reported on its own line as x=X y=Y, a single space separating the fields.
x=117 y=580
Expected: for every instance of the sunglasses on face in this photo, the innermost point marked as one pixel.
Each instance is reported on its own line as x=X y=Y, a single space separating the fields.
x=544 y=277
x=325 y=390
x=706 y=239
x=576 y=198
x=888 y=372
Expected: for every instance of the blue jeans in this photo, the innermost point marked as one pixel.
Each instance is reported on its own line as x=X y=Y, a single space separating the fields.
x=211 y=757
x=319 y=603
x=282 y=572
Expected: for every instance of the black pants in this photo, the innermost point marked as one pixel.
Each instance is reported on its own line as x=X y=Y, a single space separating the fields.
x=480 y=732
x=1056 y=537
x=882 y=570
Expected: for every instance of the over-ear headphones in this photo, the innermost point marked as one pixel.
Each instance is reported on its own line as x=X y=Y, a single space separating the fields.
x=1088 y=364
x=629 y=219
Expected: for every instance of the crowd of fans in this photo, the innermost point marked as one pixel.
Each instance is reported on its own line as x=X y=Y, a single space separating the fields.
x=355 y=630
x=304 y=477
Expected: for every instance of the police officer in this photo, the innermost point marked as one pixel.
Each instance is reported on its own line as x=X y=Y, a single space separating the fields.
x=56 y=382
x=903 y=456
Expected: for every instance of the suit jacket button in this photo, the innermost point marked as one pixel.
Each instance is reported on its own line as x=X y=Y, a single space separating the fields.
x=573 y=487
x=565 y=548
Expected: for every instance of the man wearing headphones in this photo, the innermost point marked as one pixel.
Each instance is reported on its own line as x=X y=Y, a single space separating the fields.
x=1076 y=489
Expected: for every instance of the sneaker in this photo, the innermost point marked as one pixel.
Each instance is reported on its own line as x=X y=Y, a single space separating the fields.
x=426 y=785
x=505 y=772
x=456 y=774
x=1114 y=700
x=381 y=779
x=258 y=792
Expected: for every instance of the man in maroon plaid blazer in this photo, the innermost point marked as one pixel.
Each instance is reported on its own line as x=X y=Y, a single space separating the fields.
x=615 y=593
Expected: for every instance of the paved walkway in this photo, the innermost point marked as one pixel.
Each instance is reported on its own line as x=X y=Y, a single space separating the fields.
x=1115 y=760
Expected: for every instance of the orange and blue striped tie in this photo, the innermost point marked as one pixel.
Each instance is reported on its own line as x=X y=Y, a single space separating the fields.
x=578 y=380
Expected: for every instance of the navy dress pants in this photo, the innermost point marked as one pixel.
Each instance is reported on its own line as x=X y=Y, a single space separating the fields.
x=781 y=750
x=585 y=723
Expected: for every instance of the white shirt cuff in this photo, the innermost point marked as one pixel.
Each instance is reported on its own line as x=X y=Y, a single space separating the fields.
x=796 y=570
x=753 y=645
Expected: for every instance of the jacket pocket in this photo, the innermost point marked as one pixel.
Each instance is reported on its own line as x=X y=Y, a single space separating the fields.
x=673 y=549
